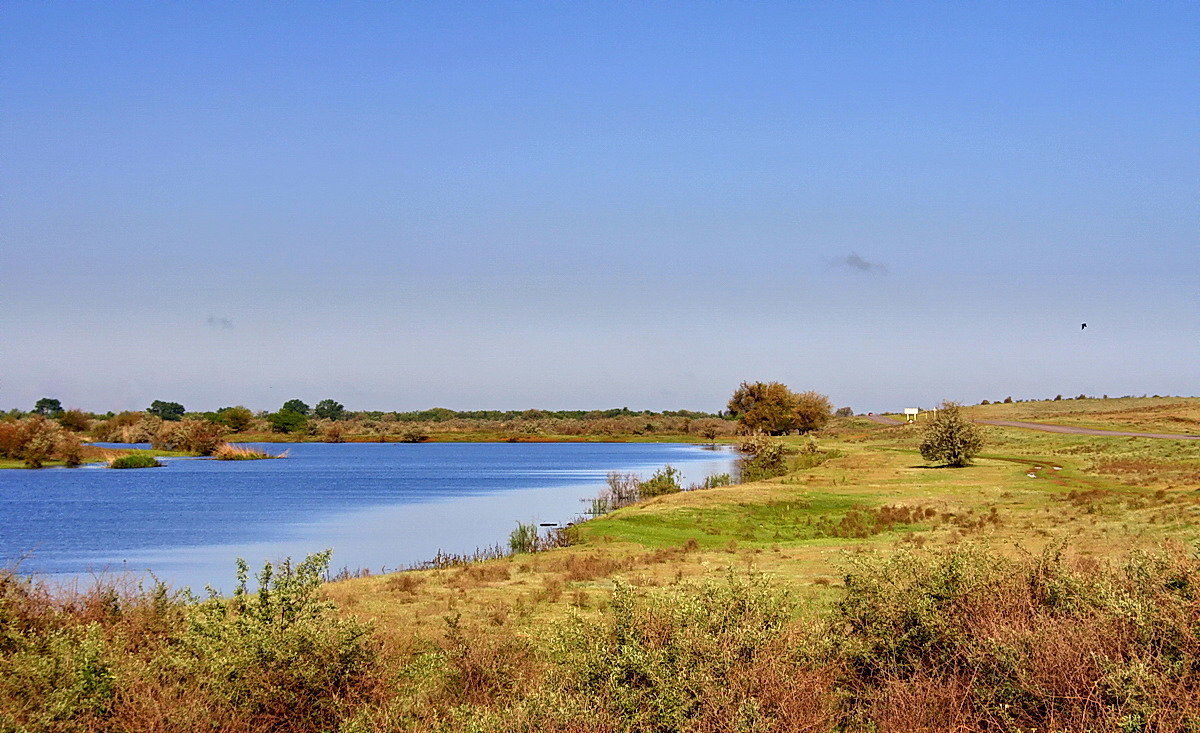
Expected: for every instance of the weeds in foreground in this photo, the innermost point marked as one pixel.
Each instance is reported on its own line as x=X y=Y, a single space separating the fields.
x=957 y=640
x=961 y=640
x=117 y=658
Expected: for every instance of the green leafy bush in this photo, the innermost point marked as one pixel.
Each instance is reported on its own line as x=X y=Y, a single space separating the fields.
x=950 y=438
x=287 y=421
x=664 y=481
x=281 y=652
x=762 y=458
x=523 y=539
x=135 y=460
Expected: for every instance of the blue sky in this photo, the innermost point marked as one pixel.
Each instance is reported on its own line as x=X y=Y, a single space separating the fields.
x=506 y=205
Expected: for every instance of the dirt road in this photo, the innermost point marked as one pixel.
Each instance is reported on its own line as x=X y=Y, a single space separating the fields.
x=1070 y=429
x=1085 y=431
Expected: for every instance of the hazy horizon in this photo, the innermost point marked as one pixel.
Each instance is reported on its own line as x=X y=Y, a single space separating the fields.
x=564 y=206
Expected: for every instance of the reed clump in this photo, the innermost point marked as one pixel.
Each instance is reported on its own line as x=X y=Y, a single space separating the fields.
x=138 y=459
x=230 y=452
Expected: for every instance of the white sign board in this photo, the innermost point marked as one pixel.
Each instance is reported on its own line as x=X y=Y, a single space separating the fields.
x=911 y=411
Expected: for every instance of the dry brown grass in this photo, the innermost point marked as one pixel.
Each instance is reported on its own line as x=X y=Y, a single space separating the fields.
x=230 y=452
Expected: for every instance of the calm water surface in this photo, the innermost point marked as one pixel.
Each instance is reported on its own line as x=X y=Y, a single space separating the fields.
x=376 y=505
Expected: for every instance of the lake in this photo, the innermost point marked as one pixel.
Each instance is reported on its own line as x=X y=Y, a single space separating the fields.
x=377 y=505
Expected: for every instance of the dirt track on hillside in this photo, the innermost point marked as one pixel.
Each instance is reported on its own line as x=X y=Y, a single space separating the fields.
x=1069 y=429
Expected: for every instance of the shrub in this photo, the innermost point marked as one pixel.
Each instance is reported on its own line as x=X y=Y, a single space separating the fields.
x=689 y=659
x=1008 y=400
x=282 y=653
x=76 y=420
x=950 y=438
x=114 y=658
x=715 y=481
x=193 y=436
x=622 y=489
x=11 y=439
x=414 y=435
x=36 y=440
x=710 y=428
x=844 y=412
x=287 y=421
x=139 y=459
x=523 y=539
x=763 y=458
x=664 y=481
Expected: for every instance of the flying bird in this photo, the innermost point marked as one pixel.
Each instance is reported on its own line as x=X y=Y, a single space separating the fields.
x=1083 y=327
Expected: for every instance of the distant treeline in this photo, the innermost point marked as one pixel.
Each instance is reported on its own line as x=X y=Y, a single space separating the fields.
x=170 y=426
x=442 y=414
x=330 y=409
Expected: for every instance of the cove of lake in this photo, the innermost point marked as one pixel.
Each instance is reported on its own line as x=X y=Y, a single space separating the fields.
x=375 y=505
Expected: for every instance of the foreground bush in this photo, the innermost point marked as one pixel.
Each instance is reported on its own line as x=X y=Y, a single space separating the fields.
x=959 y=641
x=121 y=659
x=762 y=458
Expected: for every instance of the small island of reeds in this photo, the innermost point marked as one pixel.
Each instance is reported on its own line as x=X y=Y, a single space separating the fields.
x=134 y=460
x=229 y=452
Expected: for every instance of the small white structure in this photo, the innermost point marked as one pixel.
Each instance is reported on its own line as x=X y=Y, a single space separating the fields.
x=911 y=413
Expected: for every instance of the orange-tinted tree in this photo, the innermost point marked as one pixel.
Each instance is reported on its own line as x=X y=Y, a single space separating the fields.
x=770 y=407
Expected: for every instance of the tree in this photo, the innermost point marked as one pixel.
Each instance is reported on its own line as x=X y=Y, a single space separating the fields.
x=166 y=410
x=950 y=438
x=330 y=410
x=770 y=407
x=48 y=406
x=236 y=418
x=844 y=412
x=296 y=406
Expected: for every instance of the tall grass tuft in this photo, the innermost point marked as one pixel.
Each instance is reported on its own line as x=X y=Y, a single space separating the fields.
x=230 y=452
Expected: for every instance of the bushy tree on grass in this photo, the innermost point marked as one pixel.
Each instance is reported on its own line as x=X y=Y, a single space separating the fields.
x=950 y=438
x=772 y=408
